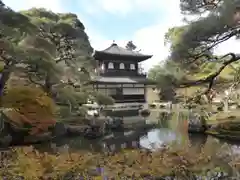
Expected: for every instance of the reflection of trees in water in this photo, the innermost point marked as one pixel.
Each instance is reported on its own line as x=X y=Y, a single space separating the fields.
x=197 y=140
x=164 y=118
x=183 y=116
x=119 y=141
x=114 y=142
x=179 y=118
x=72 y=144
x=182 y=120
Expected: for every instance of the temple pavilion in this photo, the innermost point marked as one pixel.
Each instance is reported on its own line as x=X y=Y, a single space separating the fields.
x=119 y=74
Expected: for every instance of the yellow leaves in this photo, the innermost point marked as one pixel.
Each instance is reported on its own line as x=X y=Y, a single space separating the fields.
x=30 y=106
x=98 y=178
x=20 y=96
x=181 y=162
x=26 y=165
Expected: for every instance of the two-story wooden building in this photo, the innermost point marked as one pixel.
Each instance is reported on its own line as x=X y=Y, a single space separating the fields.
x=119 y=74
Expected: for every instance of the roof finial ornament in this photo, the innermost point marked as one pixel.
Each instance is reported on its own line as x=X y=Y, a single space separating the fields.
x=114 y=43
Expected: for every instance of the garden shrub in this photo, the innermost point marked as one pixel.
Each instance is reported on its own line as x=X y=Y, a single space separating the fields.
x=182 y=163
x=102 y=99
x=29 y=107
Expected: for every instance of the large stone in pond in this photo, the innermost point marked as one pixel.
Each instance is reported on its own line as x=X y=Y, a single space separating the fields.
x=47 y=136
x=6 y=140
x=233 y=107
x=93 y=132
x=114 y=123
x=145 y=112
x=84 y=130
x=196 y=123
x=59 y=129
x=229 y=126
x=76 y=130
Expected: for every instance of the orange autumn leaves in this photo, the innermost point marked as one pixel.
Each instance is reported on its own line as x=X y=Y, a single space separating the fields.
x=30 y=107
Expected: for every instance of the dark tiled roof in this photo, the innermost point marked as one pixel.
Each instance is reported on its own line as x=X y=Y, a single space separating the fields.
x=114 y=49
x=120 y=80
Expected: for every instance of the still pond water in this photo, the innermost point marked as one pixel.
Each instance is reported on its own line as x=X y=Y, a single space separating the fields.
x=168 y=128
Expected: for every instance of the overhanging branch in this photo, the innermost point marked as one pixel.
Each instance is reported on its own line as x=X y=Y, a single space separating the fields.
x=64 y=44
x=210 y=79
x=213 y=43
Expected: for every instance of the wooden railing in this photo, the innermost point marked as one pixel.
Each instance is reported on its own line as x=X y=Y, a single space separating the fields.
x=123 y=73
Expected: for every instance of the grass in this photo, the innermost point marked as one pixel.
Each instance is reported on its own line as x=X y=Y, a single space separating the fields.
x=223 y=117
x=226 y=125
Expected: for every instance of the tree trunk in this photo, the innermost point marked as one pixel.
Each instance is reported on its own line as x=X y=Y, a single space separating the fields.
x=167 y=94
x=3 y=80
x=48 y=85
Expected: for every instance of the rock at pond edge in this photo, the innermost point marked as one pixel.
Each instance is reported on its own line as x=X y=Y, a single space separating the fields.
x=196 y=123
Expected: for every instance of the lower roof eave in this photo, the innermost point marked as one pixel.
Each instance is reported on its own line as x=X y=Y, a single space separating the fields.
x=121 y=80
x=139 y=82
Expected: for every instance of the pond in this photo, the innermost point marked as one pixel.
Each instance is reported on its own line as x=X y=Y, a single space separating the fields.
x=160 y=129
x=167 y=128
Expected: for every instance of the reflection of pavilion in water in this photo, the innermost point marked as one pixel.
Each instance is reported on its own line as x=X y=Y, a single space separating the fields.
x=114 y=142
x=151 y=139
x=155 y=137
x=122 y=140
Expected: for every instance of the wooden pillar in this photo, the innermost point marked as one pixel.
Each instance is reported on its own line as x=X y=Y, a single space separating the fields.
x=225 y=101
x=122 y=94
x=225 y=105
x=145 y=90
x=106 y=89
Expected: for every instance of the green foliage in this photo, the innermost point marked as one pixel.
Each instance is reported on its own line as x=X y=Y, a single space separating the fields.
x=63 y=42
x=68 y=114
x=14 y=28
x=102 y=99
x=219 y=25
x=69 y=95
x=173 y=39
x=167 y=76
x=192 y=45
x=173 y=35
x=48 y=16
x=10 y=19
x=130 y=46
x=51 y=49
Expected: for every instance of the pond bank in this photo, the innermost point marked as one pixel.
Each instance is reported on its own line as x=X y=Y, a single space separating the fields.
x=223 y=125
x=76 y=157
x=65 y=129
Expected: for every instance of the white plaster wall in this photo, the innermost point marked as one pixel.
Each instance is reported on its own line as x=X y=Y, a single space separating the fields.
x=132 y=91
